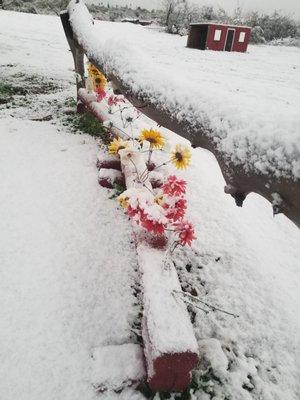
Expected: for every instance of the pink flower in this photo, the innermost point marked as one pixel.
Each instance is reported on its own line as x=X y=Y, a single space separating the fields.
x=177 y=211
x=152 y=226
x=100 y=94
x=185 y=231
x=114 y=100
x=132 y=212
x=143 y=219
x=174 y=186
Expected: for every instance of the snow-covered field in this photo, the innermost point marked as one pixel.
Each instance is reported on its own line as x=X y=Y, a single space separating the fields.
x=67 y=264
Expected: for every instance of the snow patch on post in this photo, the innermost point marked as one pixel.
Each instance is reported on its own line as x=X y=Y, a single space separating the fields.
x=108 y=161
x=156 y=178
x=110 y=177
x=171 y=349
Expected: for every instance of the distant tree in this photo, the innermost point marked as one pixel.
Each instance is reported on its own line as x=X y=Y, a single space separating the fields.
x=280 y=26
x=177 y=15
x=55 y=6
x=169 y=7
x=274 y=26
x=207 y=13
x=222 y=15
x=257 y=35
x=237 y=16
x=20 y=5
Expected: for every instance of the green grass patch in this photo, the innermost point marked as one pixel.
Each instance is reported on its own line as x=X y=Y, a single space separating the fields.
x=16 y=90
x=8 y=91
x=83 y=123
x=70 y=102
x=118 y=189
x=89 y=124
x=34 y=84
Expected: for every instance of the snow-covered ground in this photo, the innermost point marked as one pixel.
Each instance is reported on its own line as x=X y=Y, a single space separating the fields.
x=63 y=290
x=67 y=264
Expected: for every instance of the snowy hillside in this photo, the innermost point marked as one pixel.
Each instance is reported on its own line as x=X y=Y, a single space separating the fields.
x=67 y=261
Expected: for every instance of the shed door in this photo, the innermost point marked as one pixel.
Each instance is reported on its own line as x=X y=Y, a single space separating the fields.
x=203 y=37
x=229 y=39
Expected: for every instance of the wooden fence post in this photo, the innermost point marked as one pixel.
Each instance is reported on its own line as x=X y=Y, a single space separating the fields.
x=78 y=56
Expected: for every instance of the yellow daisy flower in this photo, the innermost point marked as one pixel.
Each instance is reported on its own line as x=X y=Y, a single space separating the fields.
x=97 y=77
x=155 y=138
x=116 y=145
x=123 y=201
x=92 y=69
x=181 y=157
x=159 y=199
x=100 y=81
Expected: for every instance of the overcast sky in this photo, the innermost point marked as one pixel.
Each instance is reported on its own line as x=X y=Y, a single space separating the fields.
x=291 y=7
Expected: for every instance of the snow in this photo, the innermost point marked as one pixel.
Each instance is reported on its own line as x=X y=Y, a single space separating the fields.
x=117 y=366
x=162 y=311
x=156 y=177
x=104 y=156
x=208 y=22
x=112 y=175
x=248 y=102
x=213 y=356
x=65 y=277
x=67 y=263
x=27 y=46
x=247 y=262
x=133 y=166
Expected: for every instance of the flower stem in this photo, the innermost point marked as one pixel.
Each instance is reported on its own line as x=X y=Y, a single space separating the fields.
x=150 y=154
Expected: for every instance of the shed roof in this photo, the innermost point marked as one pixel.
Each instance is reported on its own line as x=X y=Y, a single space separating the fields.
x=218 y=24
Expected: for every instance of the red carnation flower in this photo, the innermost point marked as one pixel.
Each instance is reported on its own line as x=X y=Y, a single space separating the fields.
x=100 y=94
x=114 y=100
x=185 y=231
x=177 y=212
x=141 y=218
x=174 y=186
x=152 y=226
x=132 y=212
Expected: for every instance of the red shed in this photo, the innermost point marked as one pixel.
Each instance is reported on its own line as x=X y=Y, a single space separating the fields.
x=213 y=36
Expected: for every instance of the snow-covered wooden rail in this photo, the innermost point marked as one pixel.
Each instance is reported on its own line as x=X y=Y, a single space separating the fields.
x=254 y=135
x=170 y=347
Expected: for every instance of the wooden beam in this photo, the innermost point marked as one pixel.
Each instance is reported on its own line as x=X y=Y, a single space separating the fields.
x=169 y=361
x=77 y=53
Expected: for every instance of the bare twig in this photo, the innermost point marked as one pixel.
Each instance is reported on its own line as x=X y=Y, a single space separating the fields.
x=193 y=299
